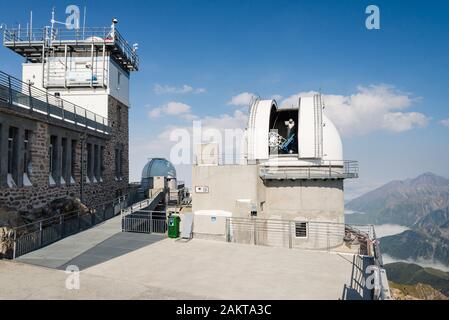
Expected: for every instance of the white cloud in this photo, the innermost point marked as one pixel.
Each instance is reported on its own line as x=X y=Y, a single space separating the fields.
x=166 y=89
x=372 y=108
x=277 y=97
x=399 y=121
x=172 y=109
x=242 y=99
x=445 y=122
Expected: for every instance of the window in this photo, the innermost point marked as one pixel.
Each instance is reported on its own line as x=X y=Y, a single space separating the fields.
x=101 y=163
x=97 y=166
x=73 y=161
x=65 y=166
x=12 y=157
x=301 y=229
x=27 y=164
x=53 y=160
x=90 y=165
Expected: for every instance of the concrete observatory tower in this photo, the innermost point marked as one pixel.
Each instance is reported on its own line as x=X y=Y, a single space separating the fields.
x=293 y=169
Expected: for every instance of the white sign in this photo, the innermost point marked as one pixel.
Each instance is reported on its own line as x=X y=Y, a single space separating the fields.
x=202 y=189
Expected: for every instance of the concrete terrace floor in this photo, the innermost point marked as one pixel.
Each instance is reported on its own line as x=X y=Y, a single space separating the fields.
x=117 y=265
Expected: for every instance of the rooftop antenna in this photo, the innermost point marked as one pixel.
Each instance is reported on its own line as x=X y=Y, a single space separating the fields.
x=84 y=20
x=31 y=25
x=53 y=22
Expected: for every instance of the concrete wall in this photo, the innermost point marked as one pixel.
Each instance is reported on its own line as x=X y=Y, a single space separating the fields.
x=318 y=200
x=238 y=188
x=226 y=184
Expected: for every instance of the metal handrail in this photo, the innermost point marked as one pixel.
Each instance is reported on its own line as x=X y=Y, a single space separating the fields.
x=48 y=36
x=319 y=235
x=21 y=94
x=314 y=170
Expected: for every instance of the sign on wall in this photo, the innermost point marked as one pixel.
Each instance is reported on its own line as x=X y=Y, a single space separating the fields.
x=201 y=189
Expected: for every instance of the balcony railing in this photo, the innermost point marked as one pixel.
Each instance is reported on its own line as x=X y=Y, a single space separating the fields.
x=329 y=169
x=60 y=36
x=21 y=96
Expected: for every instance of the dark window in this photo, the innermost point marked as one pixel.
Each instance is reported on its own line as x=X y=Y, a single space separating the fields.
x=97 y=167
x=73 y=160
x=27 y=164
x=101 y=162
x=26 y=153
x=301 y=229
x=90 y=162
x=64 y=159
x=13 y=156
x=53 y=157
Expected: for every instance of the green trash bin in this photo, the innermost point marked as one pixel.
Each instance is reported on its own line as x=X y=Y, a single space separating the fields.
x=173 y=226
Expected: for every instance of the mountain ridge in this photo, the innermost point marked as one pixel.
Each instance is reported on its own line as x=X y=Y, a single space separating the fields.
x=401 y=202
x=421 y=204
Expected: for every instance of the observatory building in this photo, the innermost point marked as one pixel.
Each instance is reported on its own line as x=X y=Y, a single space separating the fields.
x=64 y=125
x=289 y=181
x=160 y=174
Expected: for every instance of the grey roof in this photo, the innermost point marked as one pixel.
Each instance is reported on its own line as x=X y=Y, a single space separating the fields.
x=158 y=167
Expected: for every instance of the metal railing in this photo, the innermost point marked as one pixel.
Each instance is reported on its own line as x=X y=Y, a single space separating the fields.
x=92 y=35
x=145 y=221
x=322 y=169
x=309 y=169
x=23 y=96
x=38 y=234
x=141 y=205
x=313 y=235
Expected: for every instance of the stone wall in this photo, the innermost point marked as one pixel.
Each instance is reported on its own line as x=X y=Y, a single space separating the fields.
x=23 y=198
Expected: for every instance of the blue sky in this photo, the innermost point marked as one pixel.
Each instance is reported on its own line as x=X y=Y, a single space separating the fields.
x=203 y=53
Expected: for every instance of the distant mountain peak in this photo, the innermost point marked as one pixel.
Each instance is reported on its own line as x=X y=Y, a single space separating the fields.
x=402 y=202
x=429 y=178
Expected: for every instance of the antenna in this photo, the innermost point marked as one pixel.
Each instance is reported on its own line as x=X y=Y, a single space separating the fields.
x=31 y=24
x=84 y=20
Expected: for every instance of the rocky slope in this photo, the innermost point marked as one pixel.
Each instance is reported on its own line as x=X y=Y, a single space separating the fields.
x=406 y=277
x=419 y=291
